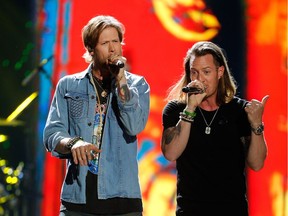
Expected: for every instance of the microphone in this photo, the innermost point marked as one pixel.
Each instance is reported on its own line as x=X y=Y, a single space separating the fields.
x=39 y=68
x=118 y=63
x=192 y=90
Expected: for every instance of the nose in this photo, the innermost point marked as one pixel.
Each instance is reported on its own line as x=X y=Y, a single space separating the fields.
x=111 y=47
x=200 y=77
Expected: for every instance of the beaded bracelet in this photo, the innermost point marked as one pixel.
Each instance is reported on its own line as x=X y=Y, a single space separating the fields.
x=73 y=141
x=186 y=119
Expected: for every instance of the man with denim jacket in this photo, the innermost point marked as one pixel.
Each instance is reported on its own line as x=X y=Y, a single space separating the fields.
x=93 y=122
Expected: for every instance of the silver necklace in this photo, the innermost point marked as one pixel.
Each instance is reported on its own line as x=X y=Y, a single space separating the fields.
x=208 y=128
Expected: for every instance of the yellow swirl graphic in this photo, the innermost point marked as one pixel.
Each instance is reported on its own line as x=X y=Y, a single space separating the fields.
x=165 y=11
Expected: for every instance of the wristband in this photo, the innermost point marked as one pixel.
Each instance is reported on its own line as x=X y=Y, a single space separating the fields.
x=186 y=118
x=190 y=114
x=72 y=142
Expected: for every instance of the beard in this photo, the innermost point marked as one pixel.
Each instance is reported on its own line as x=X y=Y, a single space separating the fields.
x=101 y=65
x=107 y=70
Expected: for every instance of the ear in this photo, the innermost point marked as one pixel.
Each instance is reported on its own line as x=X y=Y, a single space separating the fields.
x=221 y=70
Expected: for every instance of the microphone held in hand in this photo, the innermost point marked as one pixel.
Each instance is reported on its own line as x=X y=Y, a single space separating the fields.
x=192 y=90
x=118 y=63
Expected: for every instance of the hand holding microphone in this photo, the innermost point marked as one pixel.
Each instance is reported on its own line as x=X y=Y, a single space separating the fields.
x=196 y=92
x=115 y=61
x=194 y=87
x=118 y=63
x=192 y=90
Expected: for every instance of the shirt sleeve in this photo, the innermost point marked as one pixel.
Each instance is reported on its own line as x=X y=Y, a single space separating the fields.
x=170 y=114
x=244 y=125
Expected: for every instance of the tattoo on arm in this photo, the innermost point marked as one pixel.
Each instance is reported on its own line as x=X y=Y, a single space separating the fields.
x=124 y=92
x=171 y=133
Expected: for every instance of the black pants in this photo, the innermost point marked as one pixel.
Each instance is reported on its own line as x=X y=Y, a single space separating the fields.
x=72 y=213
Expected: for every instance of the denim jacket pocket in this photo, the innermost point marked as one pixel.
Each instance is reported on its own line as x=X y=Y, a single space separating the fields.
x=78 y=104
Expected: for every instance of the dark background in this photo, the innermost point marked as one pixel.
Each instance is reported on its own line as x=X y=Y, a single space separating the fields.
x=18 y=57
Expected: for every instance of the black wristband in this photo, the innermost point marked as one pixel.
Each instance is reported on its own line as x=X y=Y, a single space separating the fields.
x=72 y=142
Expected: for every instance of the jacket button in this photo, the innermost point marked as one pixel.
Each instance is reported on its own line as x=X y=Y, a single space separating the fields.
x=92 y=97
x=89 y=124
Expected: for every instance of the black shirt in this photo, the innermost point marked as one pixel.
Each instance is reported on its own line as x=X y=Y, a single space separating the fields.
x=212 y=167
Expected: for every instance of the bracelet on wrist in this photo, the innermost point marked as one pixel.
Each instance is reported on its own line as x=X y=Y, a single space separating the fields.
x=188 y=113
x=258 y=130
x=186 y=118
x=73 y=141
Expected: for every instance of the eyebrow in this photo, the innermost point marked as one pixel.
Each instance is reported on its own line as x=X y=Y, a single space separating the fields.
x=207 y=67
x=114 y=39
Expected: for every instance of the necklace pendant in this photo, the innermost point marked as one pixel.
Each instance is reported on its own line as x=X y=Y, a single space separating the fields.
x=207 y=130
x=104 y=94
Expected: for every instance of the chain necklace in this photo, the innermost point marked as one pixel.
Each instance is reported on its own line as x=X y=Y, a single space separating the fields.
x=97 y=132
x=104 y=92
x=96 y=138
x=208 y=128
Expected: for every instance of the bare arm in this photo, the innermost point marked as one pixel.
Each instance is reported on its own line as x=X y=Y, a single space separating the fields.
x=174 y=140
x=124 y=92
x=257 y=150
x=123 y=89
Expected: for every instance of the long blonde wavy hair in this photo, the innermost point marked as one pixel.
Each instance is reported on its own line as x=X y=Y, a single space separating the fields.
x=227 y=85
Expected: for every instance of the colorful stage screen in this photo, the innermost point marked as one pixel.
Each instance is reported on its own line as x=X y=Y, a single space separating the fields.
x=158 y=34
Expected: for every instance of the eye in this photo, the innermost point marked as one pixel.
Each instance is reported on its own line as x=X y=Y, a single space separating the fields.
x=193 y=72
x=116 y=41
x=104 y=43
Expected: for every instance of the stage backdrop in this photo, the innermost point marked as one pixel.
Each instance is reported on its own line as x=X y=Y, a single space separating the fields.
x=158 y=34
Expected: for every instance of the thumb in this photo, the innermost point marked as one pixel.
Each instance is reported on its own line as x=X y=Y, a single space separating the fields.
x=264 y=100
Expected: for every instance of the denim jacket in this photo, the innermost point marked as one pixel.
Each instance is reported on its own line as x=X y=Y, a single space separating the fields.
x=72 y=113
